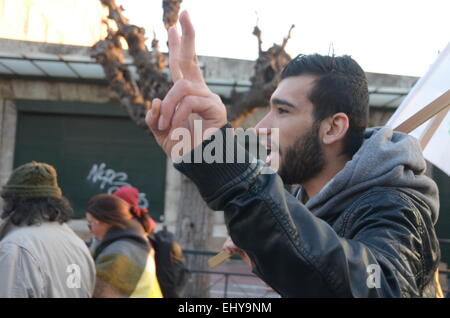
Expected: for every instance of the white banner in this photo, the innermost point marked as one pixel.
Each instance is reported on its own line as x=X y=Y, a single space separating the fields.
x=435 y=83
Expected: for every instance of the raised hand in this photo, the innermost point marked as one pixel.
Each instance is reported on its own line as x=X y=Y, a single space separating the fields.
x=231 y=249
x=189 y=98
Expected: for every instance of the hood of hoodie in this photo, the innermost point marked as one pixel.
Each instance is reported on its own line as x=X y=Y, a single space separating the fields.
x=385 y=159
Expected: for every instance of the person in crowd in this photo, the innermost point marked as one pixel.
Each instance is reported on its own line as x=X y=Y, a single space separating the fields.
x=40 y=256
x=171 y=271
x=124 y=257
x=361 y=224
x=131 y=196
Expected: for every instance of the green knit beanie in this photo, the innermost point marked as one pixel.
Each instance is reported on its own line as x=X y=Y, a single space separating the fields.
x=33 y=180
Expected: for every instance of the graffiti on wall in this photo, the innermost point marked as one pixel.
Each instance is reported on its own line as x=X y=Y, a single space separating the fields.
x=112 y=180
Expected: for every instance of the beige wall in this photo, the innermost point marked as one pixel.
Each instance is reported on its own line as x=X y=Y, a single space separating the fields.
x=75 y=22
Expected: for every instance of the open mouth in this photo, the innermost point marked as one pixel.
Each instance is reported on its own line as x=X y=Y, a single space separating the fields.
x=269 y=159
x=271 y=144
x=273 y=158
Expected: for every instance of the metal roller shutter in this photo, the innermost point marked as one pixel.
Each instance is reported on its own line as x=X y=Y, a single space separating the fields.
x=95 y=148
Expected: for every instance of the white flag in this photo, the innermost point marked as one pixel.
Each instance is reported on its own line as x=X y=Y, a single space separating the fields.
x=435 y=83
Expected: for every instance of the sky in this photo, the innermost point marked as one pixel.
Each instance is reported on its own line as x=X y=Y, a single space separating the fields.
x=384 y=36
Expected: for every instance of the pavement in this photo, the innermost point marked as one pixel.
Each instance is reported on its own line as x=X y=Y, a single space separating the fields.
x=229 y=281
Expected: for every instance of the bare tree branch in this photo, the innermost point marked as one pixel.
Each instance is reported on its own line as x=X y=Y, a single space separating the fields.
x=171 y=9
x=286 y=39
x=109 y=54
x=268 y=68
x=135 y=96
x=152 y=82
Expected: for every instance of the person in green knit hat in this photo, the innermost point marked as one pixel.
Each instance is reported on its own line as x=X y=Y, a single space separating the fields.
x=40 y=256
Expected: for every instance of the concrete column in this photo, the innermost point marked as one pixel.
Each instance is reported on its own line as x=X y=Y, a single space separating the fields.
x=172 y=195
x=8 y=122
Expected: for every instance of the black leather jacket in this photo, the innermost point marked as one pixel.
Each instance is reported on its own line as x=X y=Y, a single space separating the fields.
x=382 y=245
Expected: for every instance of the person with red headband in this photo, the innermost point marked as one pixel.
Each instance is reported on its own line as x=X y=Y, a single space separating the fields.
x=124 y=257
x=131 y=196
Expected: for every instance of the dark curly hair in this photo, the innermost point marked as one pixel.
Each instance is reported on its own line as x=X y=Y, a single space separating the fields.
x=23 y=211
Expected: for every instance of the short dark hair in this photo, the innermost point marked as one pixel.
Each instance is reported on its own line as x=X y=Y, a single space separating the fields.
x=341 y=86
x=36 y=211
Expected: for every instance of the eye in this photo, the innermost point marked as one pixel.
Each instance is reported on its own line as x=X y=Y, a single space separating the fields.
x=282 y=111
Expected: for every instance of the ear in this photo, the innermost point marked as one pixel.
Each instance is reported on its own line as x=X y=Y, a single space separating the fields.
x=334 y=128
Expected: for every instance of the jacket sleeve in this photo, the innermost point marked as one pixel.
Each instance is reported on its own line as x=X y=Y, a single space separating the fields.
x=20 y=275
x=300 y=255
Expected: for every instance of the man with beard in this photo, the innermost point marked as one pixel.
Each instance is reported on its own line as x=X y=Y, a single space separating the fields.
x=361 y=224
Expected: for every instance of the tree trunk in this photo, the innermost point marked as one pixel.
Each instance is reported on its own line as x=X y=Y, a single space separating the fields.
x=193 y=231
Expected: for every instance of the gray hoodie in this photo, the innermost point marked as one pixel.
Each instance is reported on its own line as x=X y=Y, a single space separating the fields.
x=385 y=159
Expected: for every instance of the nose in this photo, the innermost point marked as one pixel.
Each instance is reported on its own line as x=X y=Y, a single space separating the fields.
x=263 y=130
x=264 y=125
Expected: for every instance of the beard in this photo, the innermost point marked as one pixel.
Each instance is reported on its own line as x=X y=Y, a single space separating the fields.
x=304 y=159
